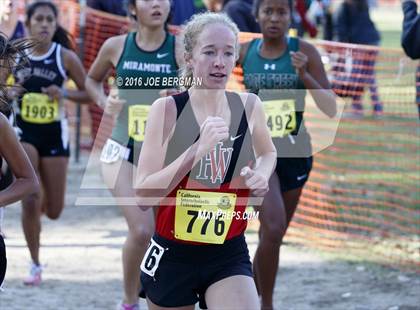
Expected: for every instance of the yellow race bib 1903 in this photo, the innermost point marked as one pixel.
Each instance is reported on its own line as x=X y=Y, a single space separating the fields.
x=281 y=117
x=203 y=216
x=137 y=118
x=38 y=109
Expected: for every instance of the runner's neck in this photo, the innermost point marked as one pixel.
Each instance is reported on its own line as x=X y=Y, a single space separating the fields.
x=273 y=48
x=150 y=39
x=207 y=103
x=41 y=49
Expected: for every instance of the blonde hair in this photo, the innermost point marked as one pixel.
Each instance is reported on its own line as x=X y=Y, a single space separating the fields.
x=195 y=27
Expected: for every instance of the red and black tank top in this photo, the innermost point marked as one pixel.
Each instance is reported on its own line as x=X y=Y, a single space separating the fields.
x=206 y=206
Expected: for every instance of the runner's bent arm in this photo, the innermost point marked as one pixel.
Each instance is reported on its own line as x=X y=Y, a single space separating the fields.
x=154 y=181
x=104 y=61
x=265 y=151
x=77 y=73
x=11 y=150
x=312 y=73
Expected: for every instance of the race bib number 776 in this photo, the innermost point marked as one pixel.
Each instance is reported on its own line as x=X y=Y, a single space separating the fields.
x=190 y=226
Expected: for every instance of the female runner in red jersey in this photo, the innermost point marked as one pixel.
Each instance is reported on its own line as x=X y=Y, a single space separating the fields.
x=205 y=152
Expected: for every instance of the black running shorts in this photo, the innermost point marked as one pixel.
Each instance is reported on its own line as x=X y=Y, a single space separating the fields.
x=183 y=272
x=3 y=260
x=50 y=140
x=293 y=172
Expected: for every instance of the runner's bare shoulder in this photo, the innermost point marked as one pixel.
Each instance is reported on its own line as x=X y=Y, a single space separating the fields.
x=113 y=47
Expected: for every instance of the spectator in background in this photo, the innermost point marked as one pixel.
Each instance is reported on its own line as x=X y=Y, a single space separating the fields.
x=410 y=38
x=117 y=7
x=301 y=7
x=10 y=24
x=319 y=13
x=240 y=11
x=327 y=22
x=352 y=24
x=181 y=11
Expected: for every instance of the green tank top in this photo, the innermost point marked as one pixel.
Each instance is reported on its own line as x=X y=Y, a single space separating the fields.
x=279 y=87
x=140 y=75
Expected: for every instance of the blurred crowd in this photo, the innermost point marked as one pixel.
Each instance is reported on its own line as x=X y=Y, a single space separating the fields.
x=343 y=21
x=318 y=18
x=346 y=21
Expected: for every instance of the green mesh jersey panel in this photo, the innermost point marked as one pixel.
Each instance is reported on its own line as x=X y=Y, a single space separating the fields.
x=140 y=75
x=274 y=78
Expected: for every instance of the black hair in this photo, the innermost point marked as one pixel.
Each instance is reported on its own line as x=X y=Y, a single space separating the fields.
x=9 y=52
x=257 y=4
x=167 y=22
x=61 y=35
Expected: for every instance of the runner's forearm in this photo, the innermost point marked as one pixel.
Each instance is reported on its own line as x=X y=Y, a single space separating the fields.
x=324 y=98
x=95 y=91
x=266 y=163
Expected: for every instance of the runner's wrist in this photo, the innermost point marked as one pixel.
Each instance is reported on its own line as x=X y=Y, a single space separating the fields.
x=202 y=148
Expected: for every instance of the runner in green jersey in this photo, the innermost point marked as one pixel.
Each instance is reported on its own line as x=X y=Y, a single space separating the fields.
x=279 y=69
x=145 y=61
x=140 y=69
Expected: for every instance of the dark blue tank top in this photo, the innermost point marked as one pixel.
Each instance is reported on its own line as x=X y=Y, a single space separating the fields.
x=43 y=71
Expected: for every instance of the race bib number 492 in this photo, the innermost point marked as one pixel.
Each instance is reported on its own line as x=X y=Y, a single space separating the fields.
x=281 y=117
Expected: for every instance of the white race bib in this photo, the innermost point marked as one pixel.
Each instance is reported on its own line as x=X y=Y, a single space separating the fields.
x=151 y=258
x=113 y=151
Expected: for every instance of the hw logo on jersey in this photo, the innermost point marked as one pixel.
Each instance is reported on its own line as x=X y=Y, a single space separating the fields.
x=270 y=66
x=215 y=164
